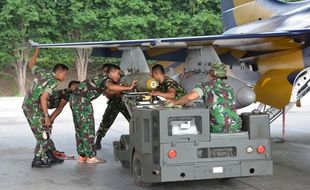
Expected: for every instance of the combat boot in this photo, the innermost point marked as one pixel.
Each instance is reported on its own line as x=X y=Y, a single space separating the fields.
x=98 y=142
x=39 y=162
x=53 y=159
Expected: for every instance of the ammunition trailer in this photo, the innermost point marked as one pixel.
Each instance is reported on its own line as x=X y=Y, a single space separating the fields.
x=166 y=144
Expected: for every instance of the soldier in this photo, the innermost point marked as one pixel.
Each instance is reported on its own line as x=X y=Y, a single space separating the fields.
x=219 y=98
x=115 y=106
x=168 y=88
x=35 y=107
x=58 y=99
x=82 y=110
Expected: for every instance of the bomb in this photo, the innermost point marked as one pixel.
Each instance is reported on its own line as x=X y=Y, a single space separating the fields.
x=244 y=95
x=145 y=83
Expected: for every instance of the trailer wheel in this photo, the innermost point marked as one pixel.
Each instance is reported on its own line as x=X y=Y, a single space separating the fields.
x=137 y=171
x=224 y=180
x=124 y=141
x=125 y=164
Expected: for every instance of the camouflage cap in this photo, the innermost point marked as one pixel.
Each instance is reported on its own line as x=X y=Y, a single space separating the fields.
x=219 y=69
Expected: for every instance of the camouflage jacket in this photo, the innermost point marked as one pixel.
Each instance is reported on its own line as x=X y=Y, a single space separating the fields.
x=219 y=98
x=170 y=83
x=57 y=95
x=44 y=82
x=114 y=99
x=92 y=87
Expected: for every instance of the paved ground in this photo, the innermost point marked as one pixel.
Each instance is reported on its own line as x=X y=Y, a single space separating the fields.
x=291 y=159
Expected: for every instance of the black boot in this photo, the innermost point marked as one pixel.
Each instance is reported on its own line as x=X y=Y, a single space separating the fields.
x=98 y=142
x=53 y=159
x=39 y=162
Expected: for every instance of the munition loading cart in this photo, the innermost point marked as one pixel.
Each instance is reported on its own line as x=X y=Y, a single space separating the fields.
x=166 y=144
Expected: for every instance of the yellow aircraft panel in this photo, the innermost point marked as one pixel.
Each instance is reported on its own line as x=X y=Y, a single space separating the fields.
x=274 y=89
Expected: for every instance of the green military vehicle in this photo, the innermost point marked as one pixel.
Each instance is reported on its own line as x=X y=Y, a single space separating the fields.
x=169 y=144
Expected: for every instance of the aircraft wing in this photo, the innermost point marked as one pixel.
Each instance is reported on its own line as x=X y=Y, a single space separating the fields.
x=270 y=49
x=174 y=49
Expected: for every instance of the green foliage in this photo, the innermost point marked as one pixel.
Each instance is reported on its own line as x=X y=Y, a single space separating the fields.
x=21 y=20
x=77 y=20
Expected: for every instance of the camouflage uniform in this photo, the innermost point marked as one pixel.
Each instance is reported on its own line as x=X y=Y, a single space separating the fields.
x=219 y=98
x=115 y=106
x=44 y=82
x=57 y=95
x=54 y=101
x=170 y=83
x=82 y=110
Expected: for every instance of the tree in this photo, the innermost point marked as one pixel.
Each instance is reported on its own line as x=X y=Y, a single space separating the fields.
x=98 y=20
x=137 y=19
x=78 y=22
x=21 y=20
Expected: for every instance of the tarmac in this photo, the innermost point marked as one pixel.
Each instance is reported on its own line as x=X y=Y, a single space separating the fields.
x=291 y=158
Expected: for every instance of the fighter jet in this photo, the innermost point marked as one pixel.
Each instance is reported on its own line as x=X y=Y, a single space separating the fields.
x=265 y=44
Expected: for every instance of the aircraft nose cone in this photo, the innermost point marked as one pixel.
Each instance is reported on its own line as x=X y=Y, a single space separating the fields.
x=245 y=96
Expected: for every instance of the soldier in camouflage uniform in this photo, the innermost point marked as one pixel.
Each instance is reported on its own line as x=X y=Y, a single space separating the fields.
x=219 y=98
x=35 y=107
x=82 y=110
x=58 y=100
x=168 y=88
x=115 y=106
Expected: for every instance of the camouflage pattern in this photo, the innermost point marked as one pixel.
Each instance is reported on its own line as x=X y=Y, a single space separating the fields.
x=83 y=116
x=170 y=83
x=219 y=98
x=54 y=101
x=93 y=87
x=56 y=96
x=115 y=106
x=44 y=82
x=219 y=69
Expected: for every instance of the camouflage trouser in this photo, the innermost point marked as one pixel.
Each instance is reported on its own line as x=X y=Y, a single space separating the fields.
x=83 y=117
x=224 y=121
x=110 y=115
x=35 y=118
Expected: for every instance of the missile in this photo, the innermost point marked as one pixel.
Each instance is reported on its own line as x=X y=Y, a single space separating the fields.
x=145 y=82
x=244 y=95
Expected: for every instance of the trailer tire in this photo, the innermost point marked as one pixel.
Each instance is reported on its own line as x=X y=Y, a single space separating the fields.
x=137 y=171
x=124 y=140
x=125 y=164
x=225 y=180
x=124 y=144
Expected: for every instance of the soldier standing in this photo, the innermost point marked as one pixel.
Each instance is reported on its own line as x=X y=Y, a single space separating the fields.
x=115 y=106
x=219 y=98
x=58 y=100
x=168 y=88
x=82 y=110
x=35 y=107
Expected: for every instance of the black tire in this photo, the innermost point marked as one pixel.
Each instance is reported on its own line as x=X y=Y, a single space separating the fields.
x=124 y=140
x=137 y=171
x=225 y=180
x=124 y=144
x=125 y=164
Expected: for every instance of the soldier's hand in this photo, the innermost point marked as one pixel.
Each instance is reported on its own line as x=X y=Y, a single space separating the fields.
x=133 y=84
x=47 y=122
x=154 y=93
x=171 y=104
